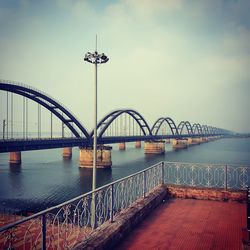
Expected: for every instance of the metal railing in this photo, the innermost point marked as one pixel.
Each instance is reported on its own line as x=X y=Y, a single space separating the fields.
x=63 y=226
x=248 y=214
x=227 y=176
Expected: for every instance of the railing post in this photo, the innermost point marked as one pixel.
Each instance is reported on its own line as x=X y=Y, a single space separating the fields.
x=111 y=203
x=93 y=208
x=225 y=178
x=248 y=212
x=44 y=232
x=144 y=184
x=162 y=172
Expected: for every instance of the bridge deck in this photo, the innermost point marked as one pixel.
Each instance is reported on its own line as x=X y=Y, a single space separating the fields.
x=190 y=224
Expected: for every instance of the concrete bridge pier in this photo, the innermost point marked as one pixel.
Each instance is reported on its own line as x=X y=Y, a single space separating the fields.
x=122 y=146
x=190 y=141
x=67 y=153
x=213 y=138
x=201 y=139
x=138 y=144
x=154 y=147
x=193 y=141
x=15 y=157
x=197 y=140
x=204 y=139
x=103 y=157
x=180 y=143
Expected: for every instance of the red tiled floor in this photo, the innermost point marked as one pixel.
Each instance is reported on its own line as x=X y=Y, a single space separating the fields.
x=190 y=224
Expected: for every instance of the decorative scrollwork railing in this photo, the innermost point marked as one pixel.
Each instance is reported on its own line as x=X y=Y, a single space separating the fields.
x=63 y=226
x=226 y=176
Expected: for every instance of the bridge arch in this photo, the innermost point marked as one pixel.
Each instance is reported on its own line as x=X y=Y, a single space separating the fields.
x=216 y=130
x=220 y=131
x=205 y=129
x=197 y=128
x=47 y=102
x=105 y=122
x=160 y=121
x=186 y=124
x=211 y=130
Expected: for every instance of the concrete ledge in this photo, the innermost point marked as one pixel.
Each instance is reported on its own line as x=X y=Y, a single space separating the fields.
x=109 y=234
x=206 y=193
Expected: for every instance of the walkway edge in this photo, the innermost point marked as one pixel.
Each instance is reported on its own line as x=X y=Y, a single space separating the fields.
x=109 y=234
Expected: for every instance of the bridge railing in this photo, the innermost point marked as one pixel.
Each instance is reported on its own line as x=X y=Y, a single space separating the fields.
x=40 y=92
x=63 y=226
x=35 y=89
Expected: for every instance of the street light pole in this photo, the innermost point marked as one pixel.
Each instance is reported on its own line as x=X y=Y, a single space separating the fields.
x=95 y=59
x=95 y=133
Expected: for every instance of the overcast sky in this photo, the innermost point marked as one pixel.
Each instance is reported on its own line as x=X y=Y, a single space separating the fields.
x=188 y=60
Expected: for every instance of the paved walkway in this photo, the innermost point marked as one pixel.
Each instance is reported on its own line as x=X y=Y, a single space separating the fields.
x=190 y=224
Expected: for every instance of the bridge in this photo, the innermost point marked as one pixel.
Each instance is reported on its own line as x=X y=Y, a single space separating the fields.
x=20 y=132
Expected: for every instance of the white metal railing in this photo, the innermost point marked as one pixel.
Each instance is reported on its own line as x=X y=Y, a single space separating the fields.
x=228 y=176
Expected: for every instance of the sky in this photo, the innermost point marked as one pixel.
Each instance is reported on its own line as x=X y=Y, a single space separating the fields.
x=184 y=59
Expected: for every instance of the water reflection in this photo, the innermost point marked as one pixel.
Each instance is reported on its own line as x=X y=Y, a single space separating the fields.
x=103 y=176
x=15 y=168
x=15 y=180
x=151 y=159
x=85 y=179
x=67 y=161
x=67 y=164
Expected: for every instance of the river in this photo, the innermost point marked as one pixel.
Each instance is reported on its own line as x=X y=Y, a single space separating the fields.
x=45 y=179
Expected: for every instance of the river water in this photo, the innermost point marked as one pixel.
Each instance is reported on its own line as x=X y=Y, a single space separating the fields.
x=45 y=179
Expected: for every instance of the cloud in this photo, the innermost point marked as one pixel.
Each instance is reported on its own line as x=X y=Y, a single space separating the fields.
x=25 y=3
x=149 y=8
x=79 y=9
x=166 y=57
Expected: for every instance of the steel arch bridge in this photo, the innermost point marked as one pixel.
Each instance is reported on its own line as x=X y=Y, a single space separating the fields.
x=159 y=123
x=212 y=130
x=49 y=103
x=197 y=128
x=204 y=129
x=107 y=128
x=107 y=121
x=187 y=125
